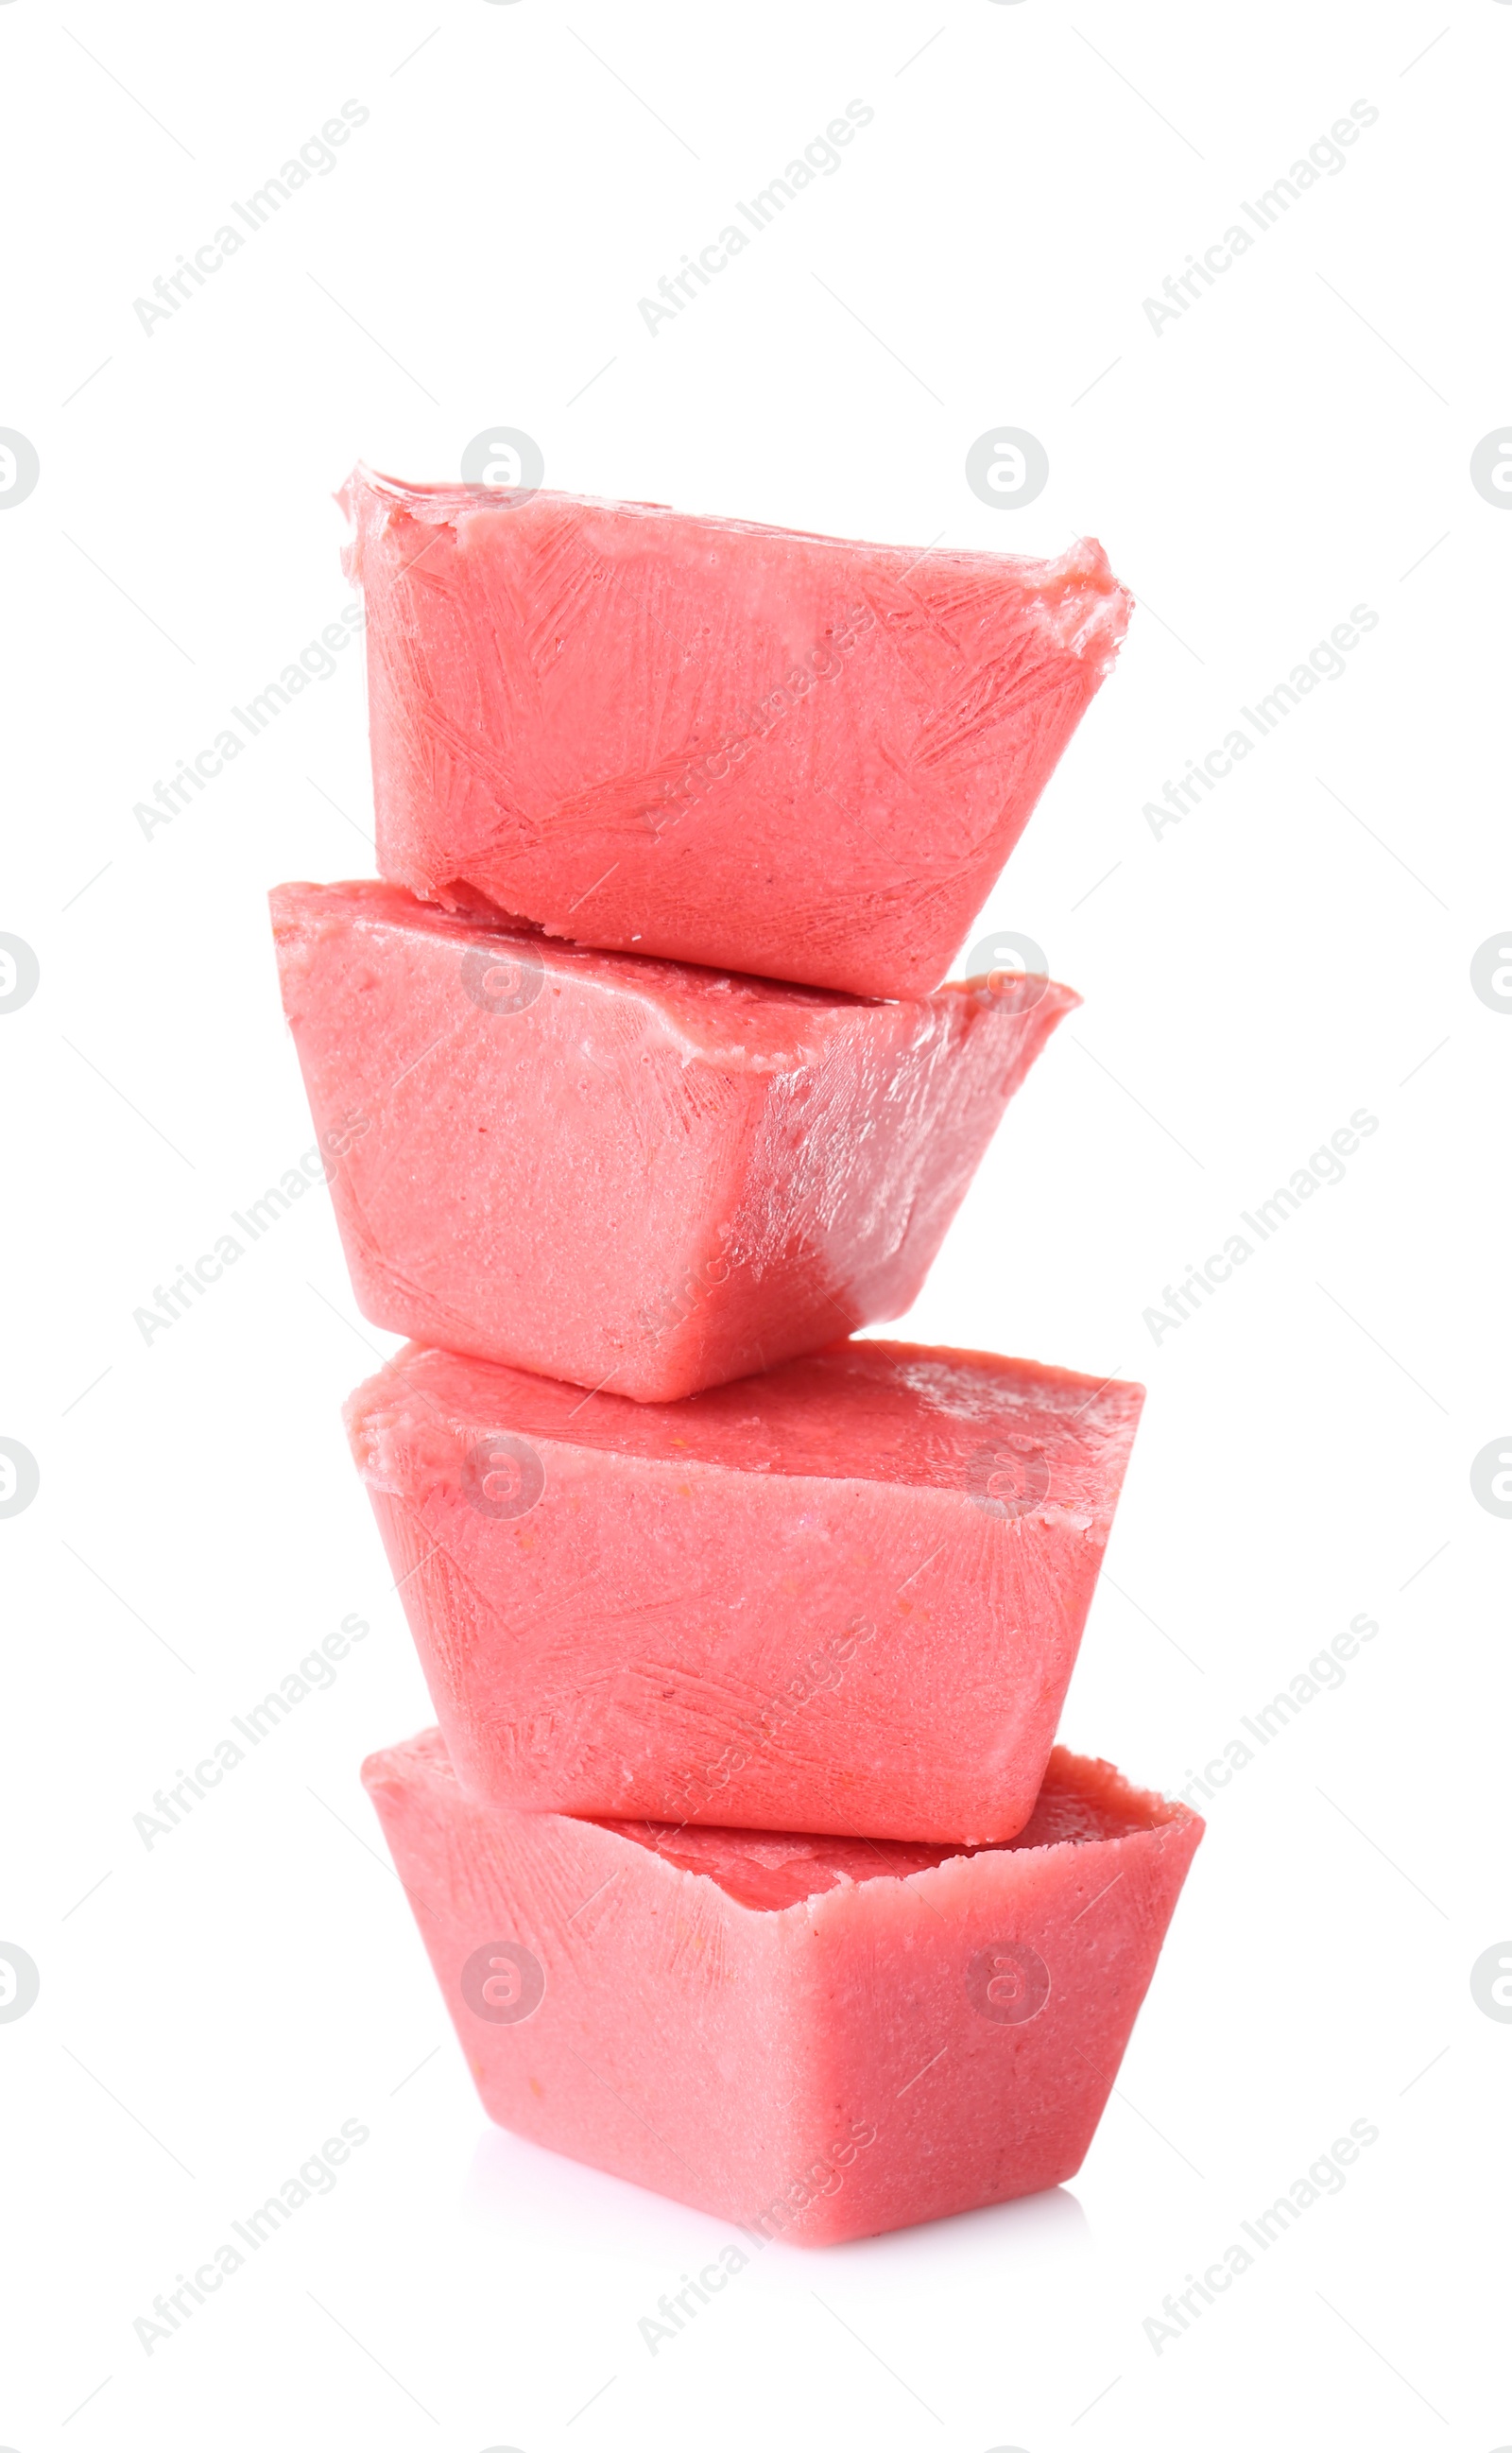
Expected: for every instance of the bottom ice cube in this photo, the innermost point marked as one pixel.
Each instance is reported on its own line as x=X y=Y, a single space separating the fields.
x=813 y=2036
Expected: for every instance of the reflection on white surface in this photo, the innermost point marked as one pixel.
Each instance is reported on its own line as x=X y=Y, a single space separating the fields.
x=517 y=2188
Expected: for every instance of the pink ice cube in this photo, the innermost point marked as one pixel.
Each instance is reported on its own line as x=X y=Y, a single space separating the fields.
x=845 y=1595
x=702 y=738
x=815 y=2038
x=624 y=1172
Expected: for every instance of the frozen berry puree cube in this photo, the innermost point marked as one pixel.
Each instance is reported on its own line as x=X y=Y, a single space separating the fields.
x=632 y=1175
x=811 y=2038
x=707 y=739
x=843 y=1596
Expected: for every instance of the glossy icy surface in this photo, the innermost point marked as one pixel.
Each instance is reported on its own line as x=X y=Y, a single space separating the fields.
x=761 y=2027
x=702 y=738
x=626 y=1172
x=841 y=1596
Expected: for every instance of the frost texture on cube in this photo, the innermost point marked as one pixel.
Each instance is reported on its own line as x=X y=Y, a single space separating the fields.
x=710 y=740
x=626 y=1172
x=843 y=1595
x=818 y=2039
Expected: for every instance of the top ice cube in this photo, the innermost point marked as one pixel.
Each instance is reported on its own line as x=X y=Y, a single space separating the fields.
x=706 y=739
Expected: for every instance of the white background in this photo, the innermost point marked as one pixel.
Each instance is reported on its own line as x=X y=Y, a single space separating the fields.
x=1296 y=443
